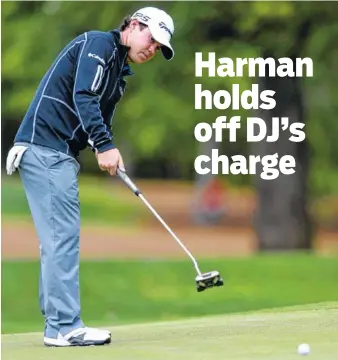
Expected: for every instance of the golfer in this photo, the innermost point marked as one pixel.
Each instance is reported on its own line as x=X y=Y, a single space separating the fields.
x=72 y=109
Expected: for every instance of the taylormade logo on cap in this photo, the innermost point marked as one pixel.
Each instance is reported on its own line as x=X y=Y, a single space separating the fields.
x=161 y=27
x=164 y=26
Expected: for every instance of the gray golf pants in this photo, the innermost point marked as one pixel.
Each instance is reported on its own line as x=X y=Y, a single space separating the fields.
x=50 y=181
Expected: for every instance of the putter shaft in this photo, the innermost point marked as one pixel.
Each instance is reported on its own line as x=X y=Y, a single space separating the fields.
x=171 y=232
x=125 y=178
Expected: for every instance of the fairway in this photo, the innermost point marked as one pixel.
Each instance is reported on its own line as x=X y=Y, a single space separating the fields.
x=272 y=335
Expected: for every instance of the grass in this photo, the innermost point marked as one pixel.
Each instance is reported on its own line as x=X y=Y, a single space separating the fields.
x=102 y=202
x=120 y=292
x=271 y=335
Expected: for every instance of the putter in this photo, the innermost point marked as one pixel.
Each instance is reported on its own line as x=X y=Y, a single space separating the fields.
x=203 y=280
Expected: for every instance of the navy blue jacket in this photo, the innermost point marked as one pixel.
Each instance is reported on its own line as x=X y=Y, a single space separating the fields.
x=74 y=104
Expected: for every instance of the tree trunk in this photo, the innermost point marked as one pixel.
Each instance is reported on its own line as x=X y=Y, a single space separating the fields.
x=281 y=221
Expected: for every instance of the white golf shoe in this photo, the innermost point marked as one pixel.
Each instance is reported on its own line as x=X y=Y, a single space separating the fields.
x=104 y=330
x=80 y=337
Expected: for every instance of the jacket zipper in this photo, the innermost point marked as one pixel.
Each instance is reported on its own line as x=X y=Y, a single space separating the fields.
x=118 y=79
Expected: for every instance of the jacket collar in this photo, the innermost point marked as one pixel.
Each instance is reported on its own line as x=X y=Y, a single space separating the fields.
x=127 y=70
x=123 y=49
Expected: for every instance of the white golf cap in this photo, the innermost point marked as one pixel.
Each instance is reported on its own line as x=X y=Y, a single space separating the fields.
x=161 y=27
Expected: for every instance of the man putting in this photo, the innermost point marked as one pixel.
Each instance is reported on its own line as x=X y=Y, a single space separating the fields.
x=72 y=109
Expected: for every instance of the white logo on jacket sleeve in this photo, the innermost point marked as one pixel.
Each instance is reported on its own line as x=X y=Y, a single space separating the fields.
x=97 y=57
x=97 y=79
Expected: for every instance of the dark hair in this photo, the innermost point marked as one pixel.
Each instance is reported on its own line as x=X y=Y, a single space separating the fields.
x=126 y=22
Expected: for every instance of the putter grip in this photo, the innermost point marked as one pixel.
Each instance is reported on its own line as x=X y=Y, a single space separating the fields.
x=125 y=178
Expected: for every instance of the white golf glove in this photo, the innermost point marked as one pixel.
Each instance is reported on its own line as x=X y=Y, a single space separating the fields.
x=14 y=157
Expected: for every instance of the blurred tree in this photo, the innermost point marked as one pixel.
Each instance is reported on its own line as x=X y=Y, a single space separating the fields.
x=278 y=30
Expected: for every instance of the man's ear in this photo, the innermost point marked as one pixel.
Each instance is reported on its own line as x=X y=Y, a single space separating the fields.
x=133 y=24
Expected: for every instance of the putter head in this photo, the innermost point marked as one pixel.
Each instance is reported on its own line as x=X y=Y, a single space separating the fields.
x=208 y=280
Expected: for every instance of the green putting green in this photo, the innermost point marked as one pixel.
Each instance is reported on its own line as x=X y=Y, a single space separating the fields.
x=262 y=335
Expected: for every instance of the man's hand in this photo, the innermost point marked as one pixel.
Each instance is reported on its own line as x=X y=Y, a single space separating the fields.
x=110 y=160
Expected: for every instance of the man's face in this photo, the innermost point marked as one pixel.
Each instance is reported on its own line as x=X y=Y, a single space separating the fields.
x=142 y=45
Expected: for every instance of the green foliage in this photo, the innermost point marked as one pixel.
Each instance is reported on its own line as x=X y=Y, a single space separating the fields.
x=156 y=117
x=118 y=292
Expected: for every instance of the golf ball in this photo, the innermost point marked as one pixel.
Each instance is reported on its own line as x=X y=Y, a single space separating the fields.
x=303 y=349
